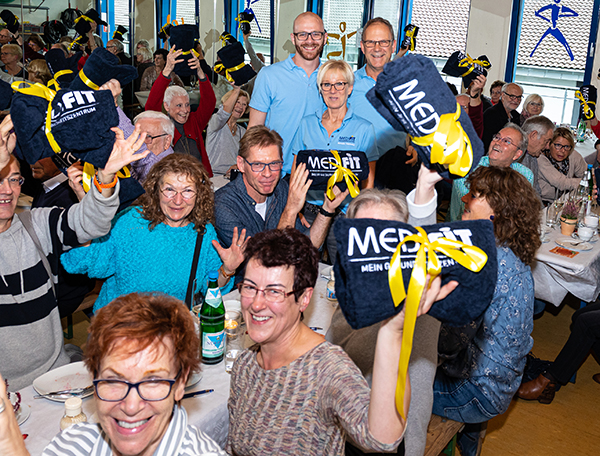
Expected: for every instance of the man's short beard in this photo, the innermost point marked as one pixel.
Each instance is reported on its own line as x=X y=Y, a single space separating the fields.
x=300 y=51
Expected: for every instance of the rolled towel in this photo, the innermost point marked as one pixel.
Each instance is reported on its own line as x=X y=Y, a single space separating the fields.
x=460 y=64
x=184 y=37
x=411 y=95
x=232 y=61
x=100 y=67
x=587 y=96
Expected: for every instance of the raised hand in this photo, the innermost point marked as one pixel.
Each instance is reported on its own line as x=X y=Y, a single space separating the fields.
x=8 y=141
x=234 y=255
x=123 y=153
x=299 y=185
x=75 y=173
x=114 y=86
x=172 y=60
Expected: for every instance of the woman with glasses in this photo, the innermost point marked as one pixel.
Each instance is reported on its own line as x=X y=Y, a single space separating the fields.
x=145 y=343
x=336 y=127
x=293 y=393
x=533 y=106
x=224 y=133
x=11 y=56
x=561 y=167
x=151 y=246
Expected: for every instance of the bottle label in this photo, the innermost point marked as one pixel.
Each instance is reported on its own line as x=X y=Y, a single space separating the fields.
x=213 y=344
x=331 y=293
x=213 y=297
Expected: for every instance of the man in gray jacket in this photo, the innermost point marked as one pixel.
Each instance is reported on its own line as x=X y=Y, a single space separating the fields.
x=30 y=330
x=539 y=131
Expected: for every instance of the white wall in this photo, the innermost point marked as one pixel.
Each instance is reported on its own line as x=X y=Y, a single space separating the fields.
x=488 y=33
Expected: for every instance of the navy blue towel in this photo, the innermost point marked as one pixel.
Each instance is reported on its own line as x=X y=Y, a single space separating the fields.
x=56 y=61
x=81 y=123
x=590 y=95
x=102 y=66
x=320 y=170
x=365 y=248
x=184 y=37
x=232 y=56
x=6 y=94
x=452 y=68
x=411 y=95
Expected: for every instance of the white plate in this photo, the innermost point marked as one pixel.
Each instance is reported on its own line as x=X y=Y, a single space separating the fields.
x=23 y=413
x=193 y=379
x=70 y=376
x=572 y=244
x=594 y=237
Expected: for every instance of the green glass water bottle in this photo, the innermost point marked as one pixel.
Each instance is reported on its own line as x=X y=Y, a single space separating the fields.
x=212 y=322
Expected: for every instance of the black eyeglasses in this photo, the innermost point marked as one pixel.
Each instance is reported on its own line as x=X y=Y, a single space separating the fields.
x=150 y=138
x=258 y=167
x=513 y=97
x=303 y=36
x=153 y=390
x=382 y=43
x=328 y=86
x=565 y=147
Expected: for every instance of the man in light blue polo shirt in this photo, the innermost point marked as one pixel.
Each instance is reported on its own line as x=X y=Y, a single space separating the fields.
x=287 y=91
x=377 y=45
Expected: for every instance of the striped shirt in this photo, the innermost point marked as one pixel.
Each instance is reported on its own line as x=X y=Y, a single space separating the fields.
x=89 y=439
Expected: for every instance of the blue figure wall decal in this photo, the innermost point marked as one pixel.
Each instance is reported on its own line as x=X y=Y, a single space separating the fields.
x=556 y=11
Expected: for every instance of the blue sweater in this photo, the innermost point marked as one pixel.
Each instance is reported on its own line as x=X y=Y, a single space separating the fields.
x=134 y=259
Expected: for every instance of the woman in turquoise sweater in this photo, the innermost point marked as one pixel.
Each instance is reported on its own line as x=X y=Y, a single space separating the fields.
x=151 y=247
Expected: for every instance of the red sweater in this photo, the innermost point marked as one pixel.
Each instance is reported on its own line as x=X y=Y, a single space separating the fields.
x=197 y=121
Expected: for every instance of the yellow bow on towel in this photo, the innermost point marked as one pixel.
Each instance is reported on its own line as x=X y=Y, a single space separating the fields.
x=450 y=145
x=241 y=21
x=54 y=82
x=220 y=67
x=587 y=110
x=411 y=34
x=470 y=63
x=468 y=256
x=39 y=90
x=89 y=171
x=340 y=174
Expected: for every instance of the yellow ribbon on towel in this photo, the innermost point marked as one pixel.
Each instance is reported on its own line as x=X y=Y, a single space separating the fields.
x=587 y=110
x=450 y=145
x=411 y=34
x=220 y=67
x=469 y=62
x=340 y=174
x=468 y=256
x=54 y=81
x=39 y=90
x=87 y=81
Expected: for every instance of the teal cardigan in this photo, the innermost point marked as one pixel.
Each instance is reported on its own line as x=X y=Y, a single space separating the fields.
x=134 y=259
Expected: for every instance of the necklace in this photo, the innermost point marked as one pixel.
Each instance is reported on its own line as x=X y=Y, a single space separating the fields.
x=232 y=128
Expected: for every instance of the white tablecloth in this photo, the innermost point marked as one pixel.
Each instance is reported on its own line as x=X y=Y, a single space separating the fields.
x=207 y=412
x=556 y=275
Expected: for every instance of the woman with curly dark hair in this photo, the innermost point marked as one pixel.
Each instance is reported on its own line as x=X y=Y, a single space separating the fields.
x=485 y=359
x=151 y=246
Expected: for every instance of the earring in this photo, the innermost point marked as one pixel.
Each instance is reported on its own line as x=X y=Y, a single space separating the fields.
x=492 y=218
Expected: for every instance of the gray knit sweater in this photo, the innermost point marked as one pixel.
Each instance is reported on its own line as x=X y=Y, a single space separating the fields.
x=306 y=408
x=31 y=339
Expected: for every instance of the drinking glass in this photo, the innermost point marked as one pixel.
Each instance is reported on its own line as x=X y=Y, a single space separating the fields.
x=235 y=334
x=551 y=215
